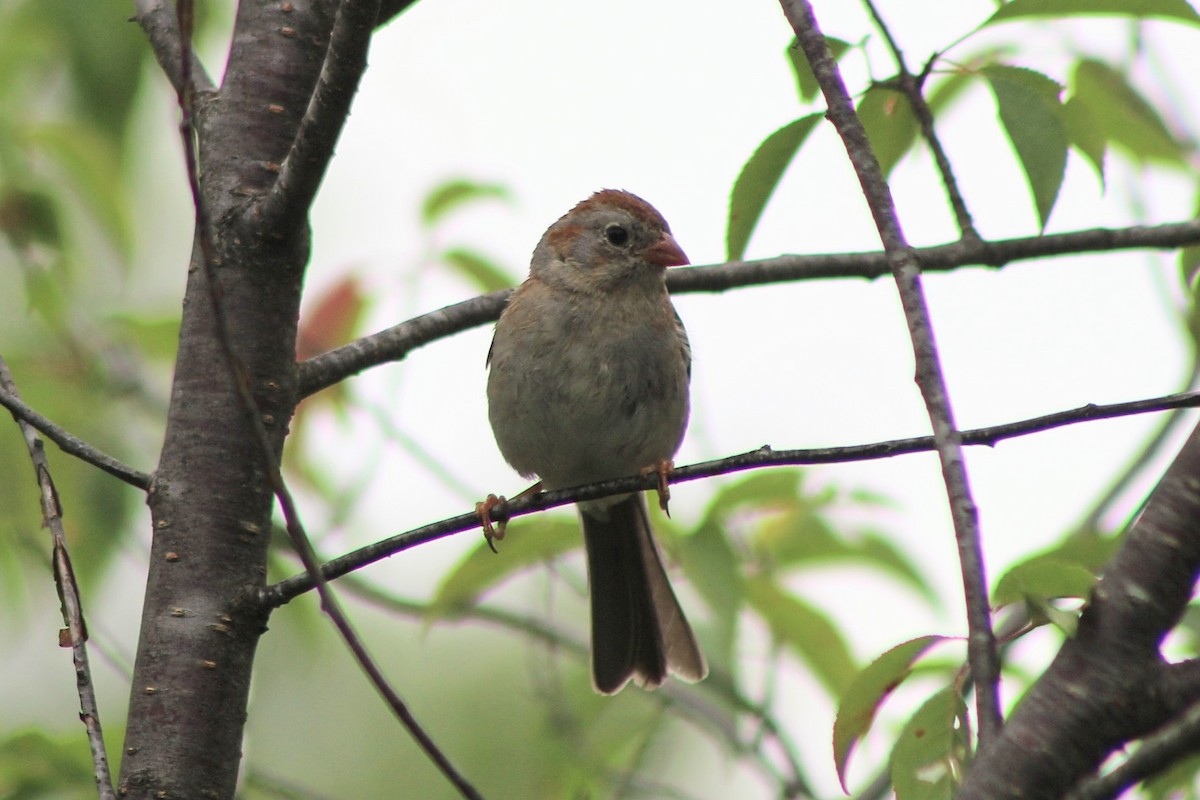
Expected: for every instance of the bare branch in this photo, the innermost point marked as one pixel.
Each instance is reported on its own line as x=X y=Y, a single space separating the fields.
x=72 y=445
x=393 y=344
x=687 y=699
x=287 y=590
x=911 y=87
x=906 y=268
x=159 y=22
x=300 y=175
x=68 y=595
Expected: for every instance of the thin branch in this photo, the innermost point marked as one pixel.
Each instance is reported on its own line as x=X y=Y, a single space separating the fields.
x=906 y=268
x=68 y=595
x=911 y=86
x=393 y=344
x=241 y=379
x=72 y=445
x=300 y=175
x=161 y=27
x=290 y=588
x=686 y=698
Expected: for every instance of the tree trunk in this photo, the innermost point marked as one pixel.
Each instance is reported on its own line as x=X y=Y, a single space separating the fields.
x=211 y=501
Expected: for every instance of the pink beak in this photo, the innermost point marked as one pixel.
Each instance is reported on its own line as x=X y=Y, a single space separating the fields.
x=665 y=253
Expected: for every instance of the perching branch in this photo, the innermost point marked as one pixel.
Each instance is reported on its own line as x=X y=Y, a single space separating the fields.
x=68 y=594
x=292 y=194
x=287 y=590
x=906 y=268
x=393 y=344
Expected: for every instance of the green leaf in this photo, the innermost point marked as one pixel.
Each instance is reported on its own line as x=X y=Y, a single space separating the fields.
x=1032 y=115
x=34 y=765
x=806 y=82
x=804 y=630
x=1189 y=267
x=930 y=757
x=1042 y=579
x=154 y=338
x=1066 y=621
x=800 y=536
x=1123 y=116
x=767 y=489
x=1087 y=548
x=712 y=565
x=455 y=193
x=30 y=217
x=866 y=694
x=758 y=179
x=1085 y=134
x=104 y=55
x=797 y=532
x=96 y=509
x=947 y=91
x=1178 y=10
x=714 y=569
x=477 y=268
x=529 y=543
x=92 y=164
x=1176 y=782
x=45 y=295
x=890 y=123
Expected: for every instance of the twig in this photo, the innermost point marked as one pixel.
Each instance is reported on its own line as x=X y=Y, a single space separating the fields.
x=291 y=196
x=72 y=445
x=162 y=30
x=906 y=267
x=911 y=86
x=684 y=697
x=393 y=344
x=68 y=595
x=290 y=588
x=241 y=379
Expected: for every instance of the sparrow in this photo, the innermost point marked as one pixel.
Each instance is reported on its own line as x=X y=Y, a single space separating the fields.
x=588 y=381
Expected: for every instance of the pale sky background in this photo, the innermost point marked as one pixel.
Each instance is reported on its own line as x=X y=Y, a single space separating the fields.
x=668 y=99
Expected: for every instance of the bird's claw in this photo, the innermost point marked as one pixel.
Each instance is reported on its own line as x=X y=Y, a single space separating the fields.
x=493 y=533
x=663 y=468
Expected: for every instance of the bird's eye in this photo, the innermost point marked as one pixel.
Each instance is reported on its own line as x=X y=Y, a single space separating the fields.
x=616 y=234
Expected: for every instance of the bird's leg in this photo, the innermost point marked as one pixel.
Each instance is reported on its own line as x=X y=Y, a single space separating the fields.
x=663 y=468
x=494 y=533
